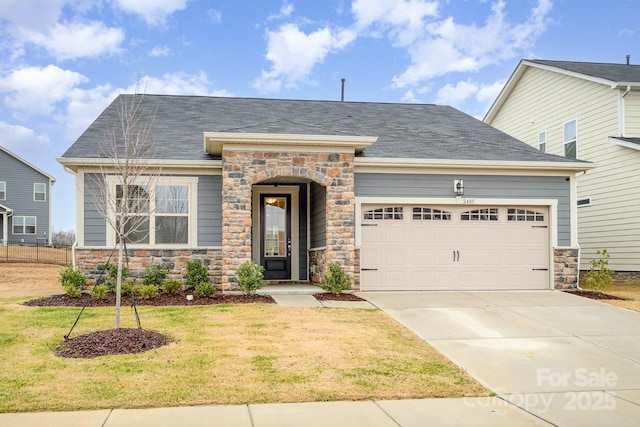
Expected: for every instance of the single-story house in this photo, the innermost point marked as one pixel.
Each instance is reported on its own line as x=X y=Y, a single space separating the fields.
x=403 y=196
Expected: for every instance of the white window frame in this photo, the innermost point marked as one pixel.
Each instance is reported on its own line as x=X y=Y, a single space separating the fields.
x=542 y=141
x=584 y=199
x=192 y=234
x=24 y=225
x=567 y=142
x=43 y=192
x=3 y=190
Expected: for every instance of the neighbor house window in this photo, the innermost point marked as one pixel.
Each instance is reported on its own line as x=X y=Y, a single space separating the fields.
x=585 y=201
x=570 y=133
x=24 y=225
x=40 y=192
x=3 y=190
x=542 y=141
x=160 y=214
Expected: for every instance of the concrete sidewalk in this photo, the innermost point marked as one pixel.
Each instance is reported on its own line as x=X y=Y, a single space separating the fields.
x=484 y=411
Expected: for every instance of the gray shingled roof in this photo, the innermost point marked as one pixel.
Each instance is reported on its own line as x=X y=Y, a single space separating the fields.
x=404 y=130
x=613 y=72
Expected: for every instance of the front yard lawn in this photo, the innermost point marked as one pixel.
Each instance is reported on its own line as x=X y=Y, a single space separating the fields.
x=629 y=290
x=225 y=354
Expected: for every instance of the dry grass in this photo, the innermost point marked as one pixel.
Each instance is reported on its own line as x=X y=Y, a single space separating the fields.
x=629 y=290
x=17 y=279
x=221 y=355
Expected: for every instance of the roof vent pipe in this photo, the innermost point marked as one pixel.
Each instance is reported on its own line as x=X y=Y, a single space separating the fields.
x=628 y=58
x=342 y=91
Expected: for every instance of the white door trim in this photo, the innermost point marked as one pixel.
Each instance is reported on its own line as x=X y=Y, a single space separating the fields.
x=256 y=244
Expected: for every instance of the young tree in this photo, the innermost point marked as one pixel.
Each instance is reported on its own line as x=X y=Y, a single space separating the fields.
x=122 y=190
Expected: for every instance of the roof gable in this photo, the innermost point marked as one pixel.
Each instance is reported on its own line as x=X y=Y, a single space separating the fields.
x=21 y=160
x=612 y=75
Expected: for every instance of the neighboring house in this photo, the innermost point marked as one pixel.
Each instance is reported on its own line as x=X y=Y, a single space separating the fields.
x=589 y=111
x=25 y=201
x=403 y=196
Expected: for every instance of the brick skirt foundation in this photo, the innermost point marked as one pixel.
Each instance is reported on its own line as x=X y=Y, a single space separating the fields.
x=88 y=260
x=566 y=268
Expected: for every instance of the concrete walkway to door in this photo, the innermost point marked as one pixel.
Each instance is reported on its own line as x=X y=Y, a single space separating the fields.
x=566 y=359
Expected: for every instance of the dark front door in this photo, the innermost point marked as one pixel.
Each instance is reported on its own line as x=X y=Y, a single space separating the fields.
x=275 y=217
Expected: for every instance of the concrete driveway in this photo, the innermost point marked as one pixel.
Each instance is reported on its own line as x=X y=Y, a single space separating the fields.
x=566 y=359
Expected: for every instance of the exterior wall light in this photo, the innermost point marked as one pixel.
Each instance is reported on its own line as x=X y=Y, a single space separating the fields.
x=458 y=187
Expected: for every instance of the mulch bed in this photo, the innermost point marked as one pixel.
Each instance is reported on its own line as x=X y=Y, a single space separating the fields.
x=162 y=299
x=111 y=341
x=595 y=295
x=337 y=297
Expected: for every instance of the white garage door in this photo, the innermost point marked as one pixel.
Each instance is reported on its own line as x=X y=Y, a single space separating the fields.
x=454 y=248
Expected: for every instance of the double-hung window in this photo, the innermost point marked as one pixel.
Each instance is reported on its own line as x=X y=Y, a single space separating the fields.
x=24 y=225
x=3 y=190
x=158 y=214
x=542 y=141
x=39 y=192
x=570 y=132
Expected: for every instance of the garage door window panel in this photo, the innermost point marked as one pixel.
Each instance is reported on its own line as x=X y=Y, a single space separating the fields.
x=429 y=214
x=514 y=214
x=485 y=214
x=387 y=213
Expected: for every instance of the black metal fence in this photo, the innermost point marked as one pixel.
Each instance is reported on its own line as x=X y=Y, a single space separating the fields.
x=35 y=252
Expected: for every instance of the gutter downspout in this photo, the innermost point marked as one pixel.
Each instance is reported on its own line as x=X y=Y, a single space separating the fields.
x=621 y=121
x=577 y=243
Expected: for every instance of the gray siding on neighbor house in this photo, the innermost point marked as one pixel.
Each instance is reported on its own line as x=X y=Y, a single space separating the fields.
x=475 y=186
x=19 y=178
x=210 y=210
x=318 y=216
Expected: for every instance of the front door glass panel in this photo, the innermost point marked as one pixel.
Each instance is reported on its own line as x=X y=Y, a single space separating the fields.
x=275 y=222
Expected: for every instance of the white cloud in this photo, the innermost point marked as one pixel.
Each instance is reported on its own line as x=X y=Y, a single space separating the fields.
x=488 y=93
x=158 y=52
x=22 y=141
x=214 y=16
x=78 y=40
x=440 y=45
x=153 y=12
x=285 y=11
x=293 y=54
x=403 y=19
x=455 y=95
x=35 y=90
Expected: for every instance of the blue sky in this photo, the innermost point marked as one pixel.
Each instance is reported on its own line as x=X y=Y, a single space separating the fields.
x=63 y=61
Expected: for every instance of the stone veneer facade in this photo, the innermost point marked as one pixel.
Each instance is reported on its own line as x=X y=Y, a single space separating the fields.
x=566 y=268
x=88 y=260
x=241 y=169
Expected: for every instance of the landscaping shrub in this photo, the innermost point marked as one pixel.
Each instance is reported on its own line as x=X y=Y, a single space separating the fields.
x=126 y=288
x=205 y=289
x=197 y=272
x=72 y=291
x=171 y=286
x=147 y=291
x=600 y=277
x=250 y=278
x=335 y=280
x=111 y=270
x=155 y=275
x=99 y=292
x=73 y=281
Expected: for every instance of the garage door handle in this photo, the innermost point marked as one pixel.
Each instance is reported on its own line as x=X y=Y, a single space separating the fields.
x=540 y=269
x=539 y=226
x=368 y=269
x=456 y=256
x=458 y=253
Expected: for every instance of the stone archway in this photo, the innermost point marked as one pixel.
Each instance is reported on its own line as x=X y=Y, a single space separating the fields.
x=242 y=169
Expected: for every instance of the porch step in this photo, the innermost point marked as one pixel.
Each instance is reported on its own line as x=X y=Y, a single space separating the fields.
x=290 y=289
